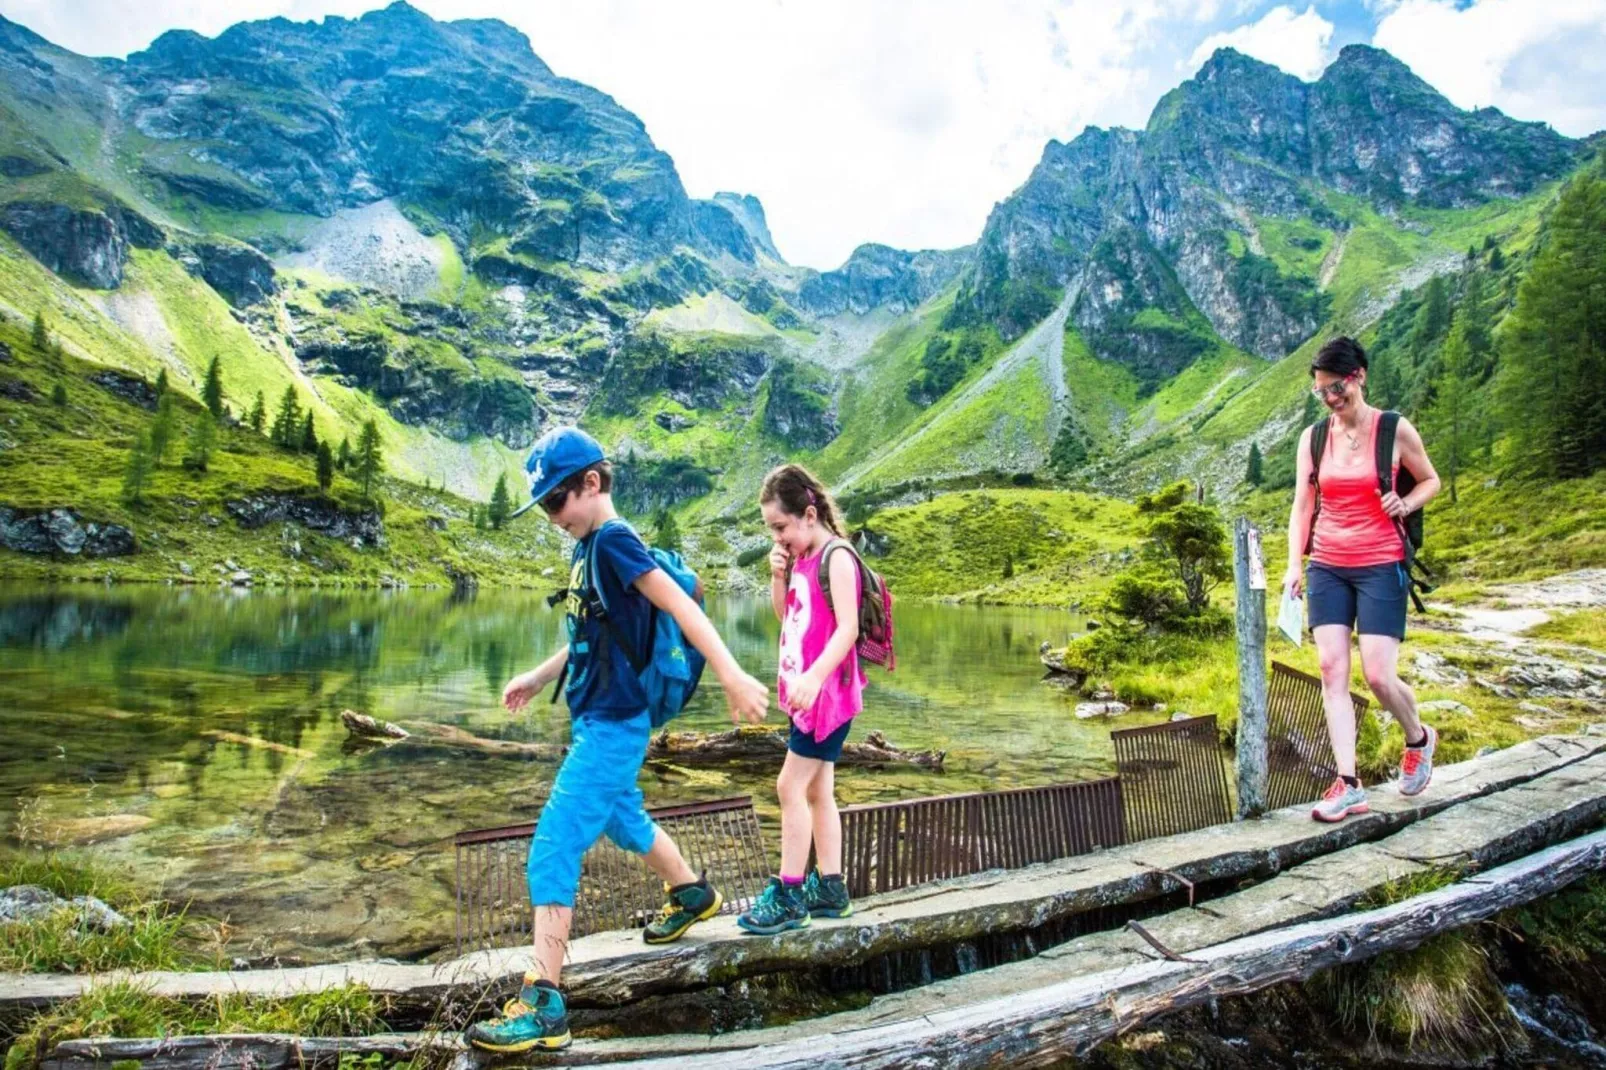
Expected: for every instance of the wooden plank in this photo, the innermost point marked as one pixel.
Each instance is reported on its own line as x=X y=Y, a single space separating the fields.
x=612 y=969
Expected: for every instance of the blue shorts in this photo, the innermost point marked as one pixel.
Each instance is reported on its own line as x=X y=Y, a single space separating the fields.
x=804 y=745
x=1370 y=599
x=595 y=794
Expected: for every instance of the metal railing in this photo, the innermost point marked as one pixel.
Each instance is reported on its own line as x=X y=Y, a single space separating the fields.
x=892 y=845
x=1172 y=777
x=617 y=891
x=1299 y=755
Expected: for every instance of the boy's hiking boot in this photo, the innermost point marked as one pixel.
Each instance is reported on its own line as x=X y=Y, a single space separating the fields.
x=684 y=906
x=779 y=907
x=537 y=1021
x=1416 y=766
x=1340 y=801
x=826 y=897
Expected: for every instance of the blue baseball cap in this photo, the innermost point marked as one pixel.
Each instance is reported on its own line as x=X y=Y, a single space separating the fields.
x=556 y=456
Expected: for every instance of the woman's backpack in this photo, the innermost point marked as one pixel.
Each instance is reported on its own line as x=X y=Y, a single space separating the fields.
x=875 y=607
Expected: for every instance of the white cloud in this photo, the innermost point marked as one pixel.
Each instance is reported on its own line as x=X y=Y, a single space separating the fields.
x=1299 y=44
x=1531 y=60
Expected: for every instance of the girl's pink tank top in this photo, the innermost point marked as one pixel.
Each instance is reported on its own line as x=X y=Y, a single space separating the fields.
x=806 y=628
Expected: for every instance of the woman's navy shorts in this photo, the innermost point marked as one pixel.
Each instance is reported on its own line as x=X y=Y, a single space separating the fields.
x=1370 y=599
x=804 y=745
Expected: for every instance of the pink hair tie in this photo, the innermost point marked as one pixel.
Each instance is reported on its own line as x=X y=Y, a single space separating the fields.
x=810 y=493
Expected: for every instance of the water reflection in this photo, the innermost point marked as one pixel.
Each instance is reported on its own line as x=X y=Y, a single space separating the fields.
x=210 y=721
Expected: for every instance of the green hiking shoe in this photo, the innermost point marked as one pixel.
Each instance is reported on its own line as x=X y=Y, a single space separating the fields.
x=826 y=897
x=684 y=906
x=777 y=909
x=537 y=1021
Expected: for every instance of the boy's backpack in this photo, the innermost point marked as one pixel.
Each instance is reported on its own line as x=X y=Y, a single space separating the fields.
x=875 y=607
x=670 y=668
x=1410 y=528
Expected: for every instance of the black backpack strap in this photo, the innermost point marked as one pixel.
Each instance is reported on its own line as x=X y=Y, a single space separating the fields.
x=1318 y=446
x=1383 y=450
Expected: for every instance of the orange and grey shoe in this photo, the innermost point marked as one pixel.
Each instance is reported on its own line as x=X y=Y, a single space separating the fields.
x=1416 y=767
x=1341 y=801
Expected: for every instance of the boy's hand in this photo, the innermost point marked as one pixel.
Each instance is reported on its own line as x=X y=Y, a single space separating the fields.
x=801 y=692
x=779 y=559
x=521 y=689
x=747 y=698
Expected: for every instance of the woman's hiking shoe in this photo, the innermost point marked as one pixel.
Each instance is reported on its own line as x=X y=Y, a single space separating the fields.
x=1340 y=801
x=1416 y=767
x=684 y=906
x=779 y=907
x=537 y=1021
x=826 y=897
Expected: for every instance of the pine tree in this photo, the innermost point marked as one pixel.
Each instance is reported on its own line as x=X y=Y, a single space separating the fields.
x=501 y=504
x=326 y=467
x=259 y=413
x=287 y=423
x=1553 y=353
x=1254 y=475
x=161 y=383
x=1009 y=566
x=58 y=395
x=1383 y=386
x=666 y=533
x=137 y=471
x=202 y=441
x=370 y=461
x=1476 y=316
x=41 y=333
x=307 y=437
x=1433 y=317
x=212 y=390
x=1497 y=260
x=343 y=458
x=1451 y=419
x=161 y=433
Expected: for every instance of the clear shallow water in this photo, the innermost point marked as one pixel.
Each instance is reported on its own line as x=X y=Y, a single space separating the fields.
x=193 y=737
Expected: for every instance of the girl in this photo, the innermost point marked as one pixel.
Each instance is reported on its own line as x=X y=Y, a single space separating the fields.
x=1357 y=578
x=821 y=687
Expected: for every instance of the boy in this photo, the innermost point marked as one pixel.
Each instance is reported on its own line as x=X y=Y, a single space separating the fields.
x=595 y=792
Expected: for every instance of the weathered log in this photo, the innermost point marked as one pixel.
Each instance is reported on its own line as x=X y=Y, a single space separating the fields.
x=1034 y=1027
x=769 y=745
x=365 y=727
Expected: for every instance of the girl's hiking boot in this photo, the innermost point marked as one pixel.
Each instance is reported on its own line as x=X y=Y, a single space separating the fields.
x=826 y=897
x=779 y=907
x=1340 y=801
x=1416 y=766
x=684 y=906
x=537 y=1021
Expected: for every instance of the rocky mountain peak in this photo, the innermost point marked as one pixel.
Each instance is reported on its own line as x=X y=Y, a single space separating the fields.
x=749 y=212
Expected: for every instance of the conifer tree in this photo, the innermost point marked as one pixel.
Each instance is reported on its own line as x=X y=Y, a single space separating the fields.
x=1309 y=415
x=41 y=333
x=343 y=458
x=326 y=467
x=259 y=413
x=666 y=533
x=370 y=461
x=202 y=441
x=161 y=433
x=212 y=390
x=287 y=424
x=1433 y=317
x=1255 y=476
x=1452 y=417
x=137 y=471
x=161 y=383
x=58 y=395
x=307 y=437
x=501 y=504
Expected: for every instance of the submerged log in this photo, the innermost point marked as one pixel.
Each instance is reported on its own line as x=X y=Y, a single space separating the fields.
x=769 y=745
x=365 y=727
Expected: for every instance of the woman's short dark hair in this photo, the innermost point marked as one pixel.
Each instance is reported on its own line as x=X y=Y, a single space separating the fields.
x=1339 y=356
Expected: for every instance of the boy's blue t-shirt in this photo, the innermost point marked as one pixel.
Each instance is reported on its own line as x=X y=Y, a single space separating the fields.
x=601 y=681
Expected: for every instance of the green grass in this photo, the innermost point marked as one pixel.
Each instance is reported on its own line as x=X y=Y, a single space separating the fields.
x=1586 y=627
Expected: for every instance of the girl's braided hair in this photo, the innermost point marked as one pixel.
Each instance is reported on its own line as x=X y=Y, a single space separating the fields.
x=795 y=489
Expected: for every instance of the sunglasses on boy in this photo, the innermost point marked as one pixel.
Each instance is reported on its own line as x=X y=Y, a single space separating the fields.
x=1334 y=390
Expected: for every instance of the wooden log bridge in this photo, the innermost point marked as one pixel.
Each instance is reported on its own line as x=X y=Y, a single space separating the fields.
x=1516 y=822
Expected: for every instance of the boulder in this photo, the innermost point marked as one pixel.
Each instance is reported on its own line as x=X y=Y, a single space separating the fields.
x=364 y=527
x=1433 y=669
x=130 y=388
x=1444 y=705
x=235 y=270
x=1085 y=710
x=17 y=390
x=59 y=531
x=30 y=903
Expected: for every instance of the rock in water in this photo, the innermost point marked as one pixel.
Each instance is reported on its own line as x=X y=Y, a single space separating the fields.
x=1100 y=709
x=365 y=727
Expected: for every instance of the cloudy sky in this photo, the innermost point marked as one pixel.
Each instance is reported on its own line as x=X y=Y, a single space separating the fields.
x=903 y=121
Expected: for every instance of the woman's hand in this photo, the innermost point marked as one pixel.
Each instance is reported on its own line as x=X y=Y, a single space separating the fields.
x=779 y=560
x=1395 y=506
x=521 y=689
x=1294 y=580
x=801 y=692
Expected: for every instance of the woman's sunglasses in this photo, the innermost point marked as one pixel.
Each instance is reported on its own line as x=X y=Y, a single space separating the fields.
x=1334 y=390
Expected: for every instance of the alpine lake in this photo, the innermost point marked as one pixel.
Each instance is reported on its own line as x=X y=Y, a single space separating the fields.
x=191 y=738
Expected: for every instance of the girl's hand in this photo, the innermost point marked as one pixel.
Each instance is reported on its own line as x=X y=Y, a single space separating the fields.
x=747 y=698
x=802 y=691
x=779 y=559
x=1294 y=580
x=521 y=689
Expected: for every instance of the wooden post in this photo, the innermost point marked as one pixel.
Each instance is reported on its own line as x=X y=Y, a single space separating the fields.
x=1247 y=569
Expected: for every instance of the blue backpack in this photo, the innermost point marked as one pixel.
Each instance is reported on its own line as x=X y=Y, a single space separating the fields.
x=670 y=667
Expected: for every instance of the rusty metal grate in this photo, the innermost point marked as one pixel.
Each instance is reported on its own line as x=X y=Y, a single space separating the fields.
x=1299 y=755
x=893 y=845
x=617 y=891
x=1172 y=777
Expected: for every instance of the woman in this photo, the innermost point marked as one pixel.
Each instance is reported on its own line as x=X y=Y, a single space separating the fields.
x=1357 y=577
